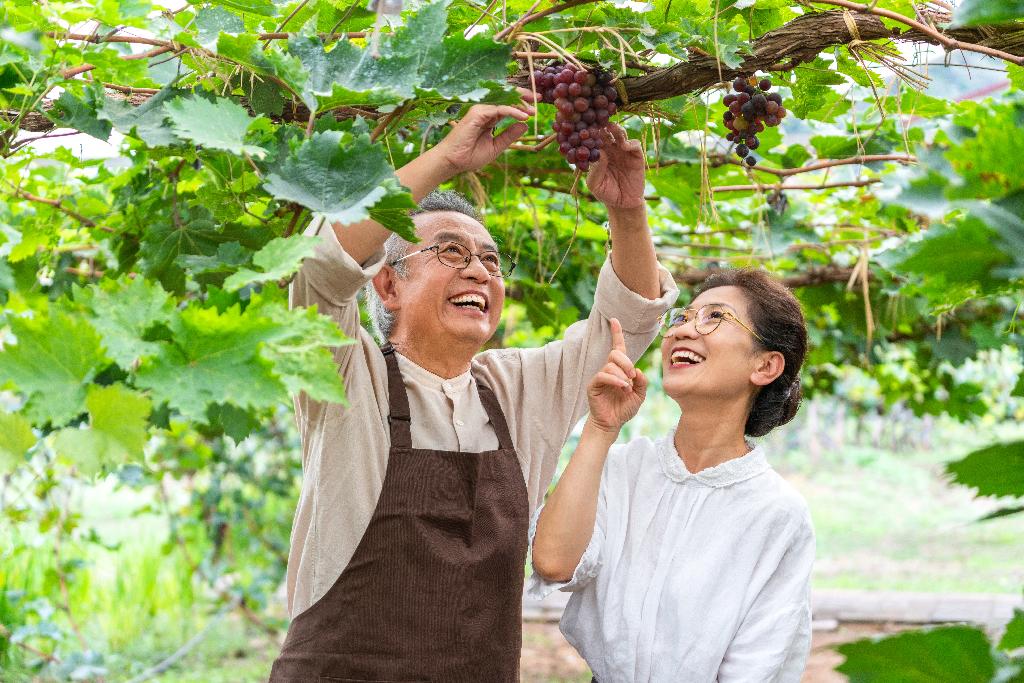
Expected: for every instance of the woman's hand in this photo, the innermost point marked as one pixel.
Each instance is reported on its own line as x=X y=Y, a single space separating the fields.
x=617 y=179
x=618 y=389
x=472 y=144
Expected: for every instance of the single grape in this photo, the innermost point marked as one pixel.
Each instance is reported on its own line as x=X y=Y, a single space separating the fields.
x=743 y=98
x=602 y=117
x=765 y=84
x=581 y=77
x=781 y=113
x=753 y=142
x=581 y=104
x=595 y=154
x=582 y=153
x=589 y=116
x=775 y=97
x=565 y=76
x=574 y=139
x=591 y=80
x=583 y=165
x=772 y=120
x=735 y=108
x=573 y=89
x=570 y=156
x=730 y=137
x=589 y=143
x=561 y=90
x=728 y=116
x=612 y=108
x=748 y=111
x=742 y=150
x=728 y=99
x=759 y=101
x=585 y=134
x=751 y=160
x=600 y=102
x=771 y=107
x=580 y=125
x=586 y=91
x=564 y=147
x=611 y=93
x=741 y=123
x=739 y=84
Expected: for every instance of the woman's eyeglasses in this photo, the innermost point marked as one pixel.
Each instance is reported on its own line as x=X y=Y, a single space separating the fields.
x=706 y=319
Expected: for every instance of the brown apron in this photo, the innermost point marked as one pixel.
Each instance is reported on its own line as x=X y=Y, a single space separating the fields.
x=434 y=589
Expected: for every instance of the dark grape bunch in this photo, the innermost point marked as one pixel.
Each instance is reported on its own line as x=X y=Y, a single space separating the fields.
x=585 y=101
x=750 y=109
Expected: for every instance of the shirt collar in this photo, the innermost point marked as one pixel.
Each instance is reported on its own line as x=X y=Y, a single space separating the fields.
x=426 y=378
x=728 y=473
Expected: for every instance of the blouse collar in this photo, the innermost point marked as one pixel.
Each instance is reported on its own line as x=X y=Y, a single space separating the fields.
x=728 y=473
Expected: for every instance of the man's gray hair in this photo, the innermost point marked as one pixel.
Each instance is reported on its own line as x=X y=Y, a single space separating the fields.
x=395 y=248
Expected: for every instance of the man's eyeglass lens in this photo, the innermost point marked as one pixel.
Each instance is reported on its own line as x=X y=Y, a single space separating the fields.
x=454 y=255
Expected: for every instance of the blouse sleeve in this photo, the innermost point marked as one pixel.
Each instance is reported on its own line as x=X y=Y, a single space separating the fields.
x=589 y=565
x=774 y=637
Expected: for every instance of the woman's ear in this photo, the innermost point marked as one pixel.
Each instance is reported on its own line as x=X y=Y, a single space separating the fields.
x=385 y=283
x=767 y=367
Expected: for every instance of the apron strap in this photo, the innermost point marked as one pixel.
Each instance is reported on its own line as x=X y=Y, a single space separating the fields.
x=399 y=419
x=497 y=417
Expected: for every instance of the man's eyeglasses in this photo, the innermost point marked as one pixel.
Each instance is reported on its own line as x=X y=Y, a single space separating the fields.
x=706 y=319
x=455 y=255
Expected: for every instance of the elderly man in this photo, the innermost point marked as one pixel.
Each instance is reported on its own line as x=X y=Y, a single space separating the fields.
x=410 y=538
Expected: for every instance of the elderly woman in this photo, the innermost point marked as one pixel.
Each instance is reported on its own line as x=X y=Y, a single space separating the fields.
x=688 y=556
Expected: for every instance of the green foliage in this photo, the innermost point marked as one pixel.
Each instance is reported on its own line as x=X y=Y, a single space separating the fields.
x=143 y=318
x=978 y=12
x=994 y=471
x=952 y=653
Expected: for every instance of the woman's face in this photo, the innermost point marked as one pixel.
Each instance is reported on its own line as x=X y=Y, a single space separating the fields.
x=726 y=364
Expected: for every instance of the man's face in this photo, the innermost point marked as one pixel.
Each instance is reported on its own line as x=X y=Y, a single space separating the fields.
x=437 y=302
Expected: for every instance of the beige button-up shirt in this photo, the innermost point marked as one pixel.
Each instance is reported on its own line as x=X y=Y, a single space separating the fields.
x=542 y=392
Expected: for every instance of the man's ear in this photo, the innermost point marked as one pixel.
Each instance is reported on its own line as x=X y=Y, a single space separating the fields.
x=767 y=367
x=385 y=283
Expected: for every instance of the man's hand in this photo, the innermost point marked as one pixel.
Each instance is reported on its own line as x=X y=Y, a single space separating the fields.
x=616 y=392
x=472 y=143
x=617 y=179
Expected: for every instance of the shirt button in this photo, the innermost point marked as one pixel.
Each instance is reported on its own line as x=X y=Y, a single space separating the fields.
x=459 y=423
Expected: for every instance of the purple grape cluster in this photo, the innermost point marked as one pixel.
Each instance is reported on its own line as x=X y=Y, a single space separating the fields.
x=585 y=102
x=749 y=110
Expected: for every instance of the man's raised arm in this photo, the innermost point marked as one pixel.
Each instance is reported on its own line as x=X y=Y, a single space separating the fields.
x=470 y=145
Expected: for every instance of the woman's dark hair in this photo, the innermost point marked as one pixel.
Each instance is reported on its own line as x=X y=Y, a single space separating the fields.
x=776 y=316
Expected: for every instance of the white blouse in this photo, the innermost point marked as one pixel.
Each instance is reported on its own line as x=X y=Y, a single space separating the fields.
x=691 y=578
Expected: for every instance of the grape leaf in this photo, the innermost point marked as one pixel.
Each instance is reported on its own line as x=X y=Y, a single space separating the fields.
x=122 y=311
x=117 y=433
x=70 y=111
x=299 y=349
x=229 y=256
x=213 y=358
x=218 y=124
x=212 y=21
x=56 y=356
x=278 y=259
x=341 y=177
x=952 y=653
x=460 y=69
x=349 y=75
x=1013 y=638
x=16 y=437
x=248 y=51
x=993 y=471
x=146 y=121
x=976 y=12
x=264 y=8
